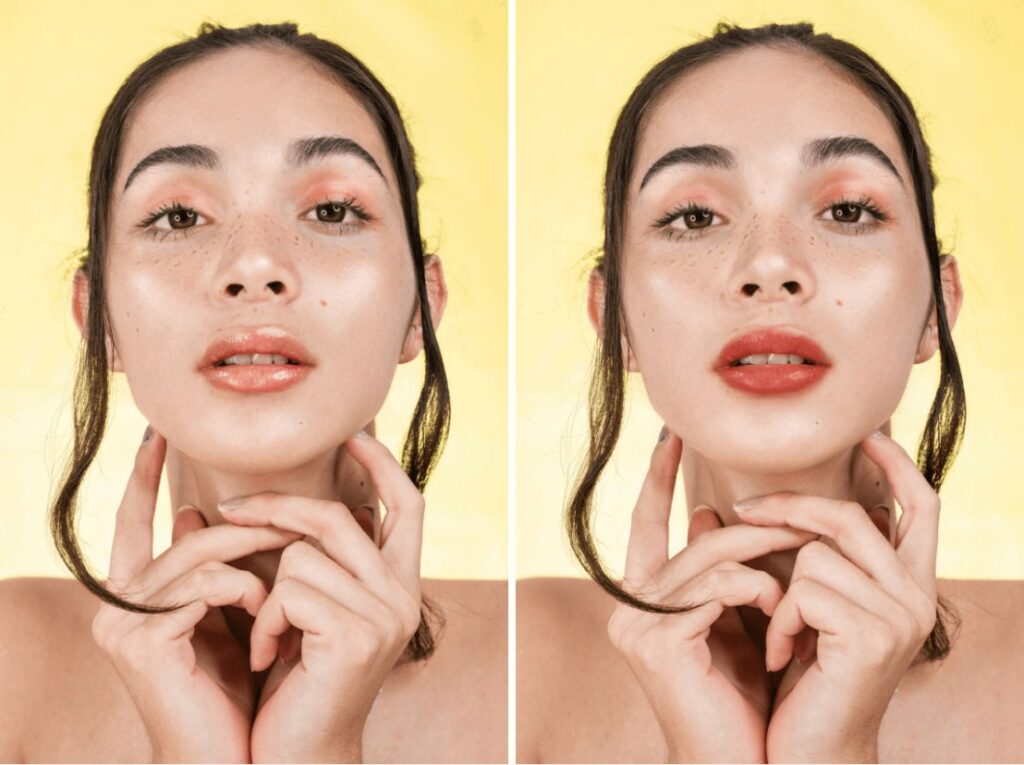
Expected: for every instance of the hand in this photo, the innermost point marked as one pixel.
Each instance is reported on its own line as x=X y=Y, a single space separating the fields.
x=872 y=607
x=357 y=607
x=700 y=671
x=184 y=671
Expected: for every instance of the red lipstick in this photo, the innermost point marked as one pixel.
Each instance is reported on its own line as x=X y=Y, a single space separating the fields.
x=771 y=378
x=256 y=378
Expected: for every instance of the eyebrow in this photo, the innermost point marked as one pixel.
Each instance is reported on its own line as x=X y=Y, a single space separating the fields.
x=814 y=153
x=304 y=151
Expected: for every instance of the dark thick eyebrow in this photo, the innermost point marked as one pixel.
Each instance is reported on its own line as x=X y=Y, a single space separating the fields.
x=823 y=149
x=706 y=154
x=301 y=152
x=815 y=152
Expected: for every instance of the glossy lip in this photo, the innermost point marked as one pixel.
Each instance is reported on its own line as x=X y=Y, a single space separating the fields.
x=256 y=378
x=773 y=378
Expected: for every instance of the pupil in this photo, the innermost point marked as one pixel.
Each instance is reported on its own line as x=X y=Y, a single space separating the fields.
x=848 y=212
x=698 y=218
x=327 y=212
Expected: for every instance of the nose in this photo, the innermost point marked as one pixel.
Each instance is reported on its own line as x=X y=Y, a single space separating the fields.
x=256 y=267
x=772 y=268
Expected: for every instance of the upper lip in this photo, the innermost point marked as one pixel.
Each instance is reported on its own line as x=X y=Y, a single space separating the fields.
x=249 y=340
x=771 y=340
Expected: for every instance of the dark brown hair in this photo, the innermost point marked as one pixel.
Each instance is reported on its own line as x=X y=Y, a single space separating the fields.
x=428 y=430
x=944 y=430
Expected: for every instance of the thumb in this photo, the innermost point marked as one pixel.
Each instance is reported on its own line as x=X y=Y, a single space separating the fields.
x=704 y=519
x=187 y=519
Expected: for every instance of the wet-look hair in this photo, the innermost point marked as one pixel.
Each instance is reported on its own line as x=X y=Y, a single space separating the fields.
x=947 y=417
x=428 y=430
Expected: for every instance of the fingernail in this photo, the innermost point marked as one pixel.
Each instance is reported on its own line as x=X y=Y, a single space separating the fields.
x=877 y=434
x=148 y=434
x=362 y=434
x=229 y=505
x=663 y=434
x=746 y=505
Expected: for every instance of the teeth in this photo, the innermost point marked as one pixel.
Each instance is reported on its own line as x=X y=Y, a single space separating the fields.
x=771 y=358
x=255 y=358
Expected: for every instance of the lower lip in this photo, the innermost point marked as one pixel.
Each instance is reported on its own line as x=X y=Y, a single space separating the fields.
x=256 y=378
x=772 y=378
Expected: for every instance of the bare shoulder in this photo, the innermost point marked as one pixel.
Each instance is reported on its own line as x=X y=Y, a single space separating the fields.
x=45 y=646
x=978 y=686
x=576 y=698
x=472 y=613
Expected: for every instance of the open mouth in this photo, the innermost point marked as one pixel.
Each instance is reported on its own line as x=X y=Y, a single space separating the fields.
x=773 y=359
x=256 y=359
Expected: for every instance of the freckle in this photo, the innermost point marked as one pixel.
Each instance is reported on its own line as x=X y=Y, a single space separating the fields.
x=323 y=302
x=839 y=302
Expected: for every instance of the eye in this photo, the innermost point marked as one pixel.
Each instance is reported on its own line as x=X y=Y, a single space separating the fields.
x=341 y=215
x=849 y=212
x=179 y=218
x=694 y=220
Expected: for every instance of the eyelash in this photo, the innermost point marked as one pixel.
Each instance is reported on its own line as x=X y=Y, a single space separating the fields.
x=864 y=202
x=174 y=206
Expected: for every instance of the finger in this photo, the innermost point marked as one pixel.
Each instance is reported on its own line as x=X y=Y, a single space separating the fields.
x=917 y=536
x=647 y=549
x=402 y=532
x=738 y=543
x=702 y=520
x=186 y=520
x=222 y=543
x=132 y=549
x=292 y=603
x=811 y=604
x=881 y=517
x=330 y=523
x=846 y=523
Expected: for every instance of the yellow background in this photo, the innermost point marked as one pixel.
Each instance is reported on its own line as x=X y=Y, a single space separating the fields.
x=61 y=63
x=961 y=64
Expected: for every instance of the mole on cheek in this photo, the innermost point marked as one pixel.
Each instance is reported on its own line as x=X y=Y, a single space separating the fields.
x=323 y=302
x=839 y=302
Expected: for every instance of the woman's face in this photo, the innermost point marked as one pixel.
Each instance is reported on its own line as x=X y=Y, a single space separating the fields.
x=259 y=246
x=772 y=241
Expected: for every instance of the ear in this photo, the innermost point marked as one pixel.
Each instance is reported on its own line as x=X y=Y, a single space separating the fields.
x=595 y=310
x=80 y=313
x=952 y=296
x=437 y=297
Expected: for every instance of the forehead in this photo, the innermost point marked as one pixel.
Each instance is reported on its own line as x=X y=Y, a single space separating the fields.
x=764 y=104
x=218 y=100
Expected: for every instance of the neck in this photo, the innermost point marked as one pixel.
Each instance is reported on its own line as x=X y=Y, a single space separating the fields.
x=849 y=476
x=332 y=476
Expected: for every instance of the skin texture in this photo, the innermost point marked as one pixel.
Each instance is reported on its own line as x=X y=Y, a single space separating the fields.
x=683 y=300
x=256 y=255
x=346 y=296
x=778 y=252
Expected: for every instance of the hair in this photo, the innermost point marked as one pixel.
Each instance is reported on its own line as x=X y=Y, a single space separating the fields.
x=944 y=430
x=428 y=429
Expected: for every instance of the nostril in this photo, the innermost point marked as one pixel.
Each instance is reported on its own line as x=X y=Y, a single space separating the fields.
x=749 y=289
x=792 y=287
x=276 y=287
x=234 y=289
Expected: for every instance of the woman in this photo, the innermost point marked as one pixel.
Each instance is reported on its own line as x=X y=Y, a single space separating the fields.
x=768 y=202
x=249 y=272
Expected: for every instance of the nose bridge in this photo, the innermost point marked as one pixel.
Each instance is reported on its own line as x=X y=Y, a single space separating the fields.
x=772 y=265
x=256 y=260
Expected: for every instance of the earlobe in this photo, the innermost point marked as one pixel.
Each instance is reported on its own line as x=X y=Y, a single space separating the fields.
x=80 y=313
x=437 y=297
x=595 y=312
x=952 y=296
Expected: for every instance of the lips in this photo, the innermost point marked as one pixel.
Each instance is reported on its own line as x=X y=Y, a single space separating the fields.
x=265 y=340
x=256 y=378
x=772 y=378
x=771 y=341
